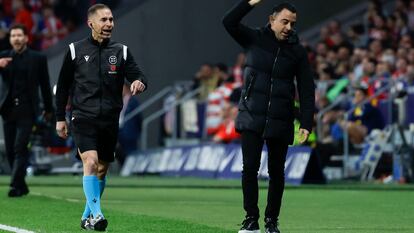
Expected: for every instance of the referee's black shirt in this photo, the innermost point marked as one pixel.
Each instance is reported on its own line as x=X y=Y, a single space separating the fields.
x=93 y=74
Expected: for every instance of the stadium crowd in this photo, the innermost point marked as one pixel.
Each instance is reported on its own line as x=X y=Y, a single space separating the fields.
x=47 y=21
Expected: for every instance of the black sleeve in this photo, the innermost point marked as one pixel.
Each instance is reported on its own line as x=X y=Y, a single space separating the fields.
x=64 y=85
x=132 y=71
x=242 y=34
x=45 y=85
x=306 y=89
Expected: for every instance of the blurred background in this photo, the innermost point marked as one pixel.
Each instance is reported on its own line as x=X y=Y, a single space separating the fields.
x=362 y=56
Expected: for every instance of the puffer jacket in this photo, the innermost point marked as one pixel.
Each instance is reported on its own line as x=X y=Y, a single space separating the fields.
x=267 y=101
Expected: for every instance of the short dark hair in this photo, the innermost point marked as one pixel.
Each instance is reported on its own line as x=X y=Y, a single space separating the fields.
x=92 y=10
x=284 y=5
x=19 y=26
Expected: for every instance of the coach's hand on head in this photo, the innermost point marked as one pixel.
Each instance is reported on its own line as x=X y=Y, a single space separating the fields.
x=137 y=87
x=254 y=2
x=62 y=129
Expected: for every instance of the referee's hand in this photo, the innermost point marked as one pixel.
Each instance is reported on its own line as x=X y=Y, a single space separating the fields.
x=137 y=87
x=62 y=129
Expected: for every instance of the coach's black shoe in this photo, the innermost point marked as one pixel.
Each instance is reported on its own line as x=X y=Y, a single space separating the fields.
x=14 y=192
x=25 y=190
x=99 y=223
x=250 y=225
x=86 y=224
x=271 y=226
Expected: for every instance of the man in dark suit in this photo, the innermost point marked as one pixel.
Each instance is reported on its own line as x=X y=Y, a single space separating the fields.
x=23 y=71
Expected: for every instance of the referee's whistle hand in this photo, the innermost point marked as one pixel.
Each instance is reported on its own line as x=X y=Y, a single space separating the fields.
x=62 y=129
x=137 y=87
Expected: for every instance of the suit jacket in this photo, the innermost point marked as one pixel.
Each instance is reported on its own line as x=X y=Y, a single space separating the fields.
x=38 y=77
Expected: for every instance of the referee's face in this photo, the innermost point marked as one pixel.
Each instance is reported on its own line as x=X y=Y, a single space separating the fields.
x=101 y=23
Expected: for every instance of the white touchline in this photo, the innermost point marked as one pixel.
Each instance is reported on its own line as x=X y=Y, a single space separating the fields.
x=56 y=197
x=14 y=229
x=18 y=230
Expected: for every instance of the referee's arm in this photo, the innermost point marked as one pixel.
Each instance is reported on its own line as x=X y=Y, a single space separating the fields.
x=64 y=84
x=133 y=72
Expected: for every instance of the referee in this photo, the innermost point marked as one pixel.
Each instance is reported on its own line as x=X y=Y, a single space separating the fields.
x=93 y=72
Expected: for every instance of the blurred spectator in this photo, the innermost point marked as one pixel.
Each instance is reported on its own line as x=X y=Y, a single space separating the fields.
x=378 y=30
x=363 y=119
x=226 y=132
x=52 y=28
x=23 y=16
x=237 y=69
x=206 y=79
x=401 y=69
x=356 y=35
x=376 y=49
x=410 y=15
x=381 y=79
x=368 y=71
x=218 y=99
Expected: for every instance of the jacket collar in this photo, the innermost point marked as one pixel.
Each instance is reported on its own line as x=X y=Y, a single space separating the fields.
x=95 y=42
x=13 y=52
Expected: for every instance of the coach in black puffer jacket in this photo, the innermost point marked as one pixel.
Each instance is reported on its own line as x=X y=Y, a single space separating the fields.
x=268 y=94
x=275 y=59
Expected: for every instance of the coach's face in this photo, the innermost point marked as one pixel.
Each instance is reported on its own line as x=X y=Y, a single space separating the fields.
x=18 y=39
x=101 y=23
x=282 y=23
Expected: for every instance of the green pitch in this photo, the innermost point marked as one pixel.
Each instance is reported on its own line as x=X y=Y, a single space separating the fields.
x=187 y=205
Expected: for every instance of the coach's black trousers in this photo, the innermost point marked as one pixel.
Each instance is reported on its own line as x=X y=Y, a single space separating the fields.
x=252 y=144
x=17 y=133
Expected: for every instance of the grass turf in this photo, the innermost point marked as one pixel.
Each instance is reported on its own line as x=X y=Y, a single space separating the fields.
x=184 y=205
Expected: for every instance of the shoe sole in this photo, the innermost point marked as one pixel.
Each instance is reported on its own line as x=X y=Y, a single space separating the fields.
x=246 y=231
x=101 y=225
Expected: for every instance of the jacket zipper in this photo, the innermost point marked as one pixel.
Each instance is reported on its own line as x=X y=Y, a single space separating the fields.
x=249 y=87
x=270 y=94
x=248 y=90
